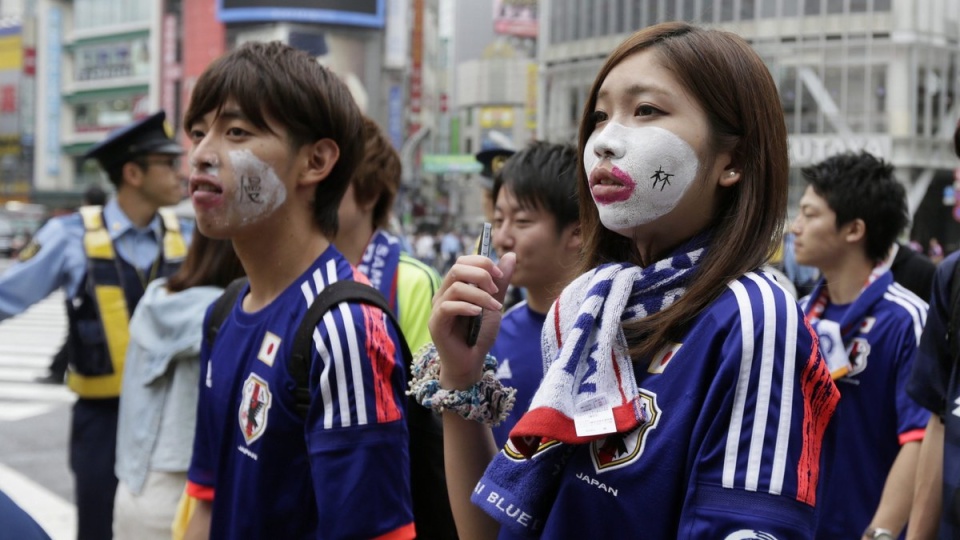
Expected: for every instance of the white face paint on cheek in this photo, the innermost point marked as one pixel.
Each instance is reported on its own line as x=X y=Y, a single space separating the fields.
x=661 y=166
x=258 y=189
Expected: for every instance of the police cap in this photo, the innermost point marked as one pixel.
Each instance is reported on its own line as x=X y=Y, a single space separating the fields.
x=147 y=136
x=492 y=160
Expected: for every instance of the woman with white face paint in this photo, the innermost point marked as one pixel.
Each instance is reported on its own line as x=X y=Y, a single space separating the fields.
x=683 y=397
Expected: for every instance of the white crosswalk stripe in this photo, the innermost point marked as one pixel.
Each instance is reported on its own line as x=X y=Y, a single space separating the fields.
x=28 y=342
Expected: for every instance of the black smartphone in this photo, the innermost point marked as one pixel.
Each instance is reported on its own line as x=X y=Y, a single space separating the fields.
x=483 y=248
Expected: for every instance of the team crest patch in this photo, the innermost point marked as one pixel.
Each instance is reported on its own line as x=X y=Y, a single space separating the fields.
x=268 y=349
x=28 y=251
x=254 y=406
x=621 y=449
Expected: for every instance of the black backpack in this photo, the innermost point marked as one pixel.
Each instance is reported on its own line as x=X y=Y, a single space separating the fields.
x=431 y=506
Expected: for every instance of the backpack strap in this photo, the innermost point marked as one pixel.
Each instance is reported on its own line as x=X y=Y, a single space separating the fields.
x=331 y=295
x=221 y=309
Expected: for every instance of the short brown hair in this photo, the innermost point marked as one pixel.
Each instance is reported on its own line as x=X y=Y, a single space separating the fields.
x=377 y=177
x=277 y=82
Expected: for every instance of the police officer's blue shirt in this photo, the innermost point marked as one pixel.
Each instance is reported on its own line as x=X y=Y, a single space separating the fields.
x=60 y=261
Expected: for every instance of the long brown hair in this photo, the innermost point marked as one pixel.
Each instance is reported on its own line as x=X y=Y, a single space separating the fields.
x=733 y=86
x=209 y=262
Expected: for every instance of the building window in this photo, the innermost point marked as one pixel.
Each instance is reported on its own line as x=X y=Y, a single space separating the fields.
x=810 y=116
x=881 y=5
x=587 y=21
x=726 y=10
x=620 y=23
x=879 y=84
x=603 y=18
x=788 y=97
x=835 y=6
x=90 y=14
x=811 y=7
x=575 y=106
x=649 y=13
x=858 y=100
x=107 y=114
x=768 y=10
x=112 y=60
x=791 y=8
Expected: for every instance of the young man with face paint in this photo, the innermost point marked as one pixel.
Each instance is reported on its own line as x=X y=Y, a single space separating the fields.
x=678 y=378
x=270 y=175
x=869 y=328
x=536 y=218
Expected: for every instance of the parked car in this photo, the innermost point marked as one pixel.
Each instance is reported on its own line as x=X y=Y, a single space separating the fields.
x=7 y=238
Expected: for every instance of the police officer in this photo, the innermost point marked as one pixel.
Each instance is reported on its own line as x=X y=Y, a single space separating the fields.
x=103 y=258
x=492 y=158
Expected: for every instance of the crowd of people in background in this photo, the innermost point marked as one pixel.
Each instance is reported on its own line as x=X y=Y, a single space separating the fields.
x=649 y=332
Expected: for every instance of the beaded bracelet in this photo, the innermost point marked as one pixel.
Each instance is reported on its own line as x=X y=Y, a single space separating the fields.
x=487 y=401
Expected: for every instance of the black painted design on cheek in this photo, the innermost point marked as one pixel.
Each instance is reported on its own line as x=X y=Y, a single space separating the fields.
x=661 y=177
x=250 y=189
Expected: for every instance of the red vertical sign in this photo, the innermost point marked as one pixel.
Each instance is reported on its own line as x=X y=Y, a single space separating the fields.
x=416 y=71
x=170 y=68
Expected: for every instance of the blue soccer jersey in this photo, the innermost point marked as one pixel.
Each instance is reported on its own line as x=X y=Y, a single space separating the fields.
x=344 y=473
x=880 y=332
x=736 y=434
x=935 y=384
x=519 y=360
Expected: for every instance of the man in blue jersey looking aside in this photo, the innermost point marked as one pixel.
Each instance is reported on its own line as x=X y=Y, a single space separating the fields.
x=535 y=216
x=269 y=175
x=869 y=329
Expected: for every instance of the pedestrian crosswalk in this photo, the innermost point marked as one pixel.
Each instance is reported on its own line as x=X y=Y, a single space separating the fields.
x=27 y=344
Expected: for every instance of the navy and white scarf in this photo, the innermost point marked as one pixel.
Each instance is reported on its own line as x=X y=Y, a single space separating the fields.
x=380 y=262
x=589 y=389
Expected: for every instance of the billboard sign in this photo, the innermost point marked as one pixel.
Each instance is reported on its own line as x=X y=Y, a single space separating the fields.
x=112 y=60
x=515 y=18
x=366 y=13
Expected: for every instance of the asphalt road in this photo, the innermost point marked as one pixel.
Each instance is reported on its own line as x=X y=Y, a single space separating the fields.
x=34 y=417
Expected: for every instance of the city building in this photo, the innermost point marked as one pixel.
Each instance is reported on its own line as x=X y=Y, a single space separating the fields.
x=879 y=75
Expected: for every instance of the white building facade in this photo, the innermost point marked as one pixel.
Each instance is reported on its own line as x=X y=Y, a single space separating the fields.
x=879 y=75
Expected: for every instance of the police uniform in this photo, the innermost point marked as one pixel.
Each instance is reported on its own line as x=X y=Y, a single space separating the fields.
x=103 y=262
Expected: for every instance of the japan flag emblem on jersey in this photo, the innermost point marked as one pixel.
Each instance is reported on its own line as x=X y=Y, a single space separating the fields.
x=254 y=406
x=268 y=349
